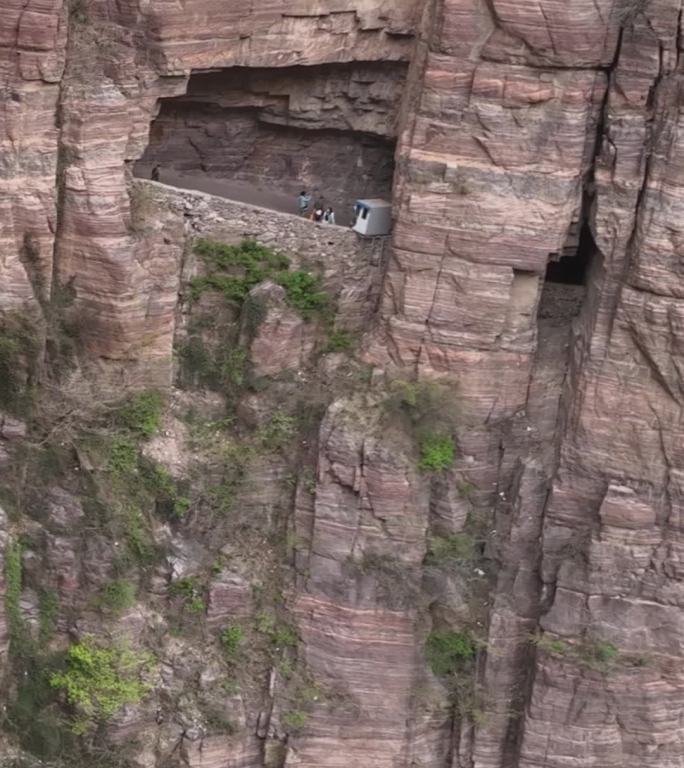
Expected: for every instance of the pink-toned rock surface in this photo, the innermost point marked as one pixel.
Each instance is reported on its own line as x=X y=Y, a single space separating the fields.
x=357 y=603
x=280 y=34
x=283 y=340
x=73 y=141
x=32 y=52
x=523 y=123
x=479 y=129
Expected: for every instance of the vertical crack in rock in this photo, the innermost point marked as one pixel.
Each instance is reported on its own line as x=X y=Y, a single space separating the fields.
x=535 y=439
x=57 y=292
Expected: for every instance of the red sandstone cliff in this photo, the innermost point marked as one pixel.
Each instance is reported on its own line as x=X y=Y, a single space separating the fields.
x=525 y=130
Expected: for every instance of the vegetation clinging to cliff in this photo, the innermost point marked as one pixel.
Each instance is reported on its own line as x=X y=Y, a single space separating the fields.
x=99 y=681
x=425 y=405
x=429 y=410
x=449 y=652
x=234 y=270
x=437 y=452
x=590 y=652
x=13 y=581
x=141 y=413
x=19 y=347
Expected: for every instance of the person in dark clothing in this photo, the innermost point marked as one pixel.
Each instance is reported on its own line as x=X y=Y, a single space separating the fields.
x=155 y=173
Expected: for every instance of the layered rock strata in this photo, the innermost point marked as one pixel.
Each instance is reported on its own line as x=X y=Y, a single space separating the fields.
x=329 y=129
x=80 y=135
x=520 y=121
x=603 y=81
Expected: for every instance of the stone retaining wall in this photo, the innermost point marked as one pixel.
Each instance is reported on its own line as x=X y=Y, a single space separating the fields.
x=351 y=265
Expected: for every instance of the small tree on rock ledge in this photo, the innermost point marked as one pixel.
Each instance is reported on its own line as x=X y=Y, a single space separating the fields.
x=99 y=681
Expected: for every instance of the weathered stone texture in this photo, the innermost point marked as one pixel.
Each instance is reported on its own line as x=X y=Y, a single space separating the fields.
x=121 y=60
x=280 y=34
x=610 y=528
x=283 y=341
x=521 y=119
x=350 y=266
x=518 y=138
x=584 y=34
x=353 y=97
x=490 y=187
x=32 y=50
x=356 y=606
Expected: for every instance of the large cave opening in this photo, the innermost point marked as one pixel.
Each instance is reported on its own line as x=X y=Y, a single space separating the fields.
x=263 y=135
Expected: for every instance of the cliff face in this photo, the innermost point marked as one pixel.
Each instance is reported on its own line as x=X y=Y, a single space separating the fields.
x=85 y=83
x=528 y=134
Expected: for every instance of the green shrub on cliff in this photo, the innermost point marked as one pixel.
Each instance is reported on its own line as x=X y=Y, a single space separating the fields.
x=140 y=546
x=234 y=270
x=303 y=291
x=191 y=593
x=48 y=611
x=295 y=720
x=19 y=346
x=31 y=714
x=118 y=595
x=250 y=255
x=254 y=311
x=277 y=431
x=141 y=413
x=429 y=411
x=123 y=457
x=449 y=652
x=599 y=655
x=218 y=367
x=457 y=548
x=232 y=638
x=603 y=653
x=170 y=501
x=339 y=340
x=437 y=452
x=98 y=681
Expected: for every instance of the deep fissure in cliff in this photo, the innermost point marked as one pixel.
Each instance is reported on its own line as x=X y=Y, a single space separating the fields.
x=262 y=135
x=564 y=288
x=571 y=268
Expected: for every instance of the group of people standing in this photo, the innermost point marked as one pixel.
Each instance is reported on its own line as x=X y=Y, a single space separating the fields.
x=318 y=212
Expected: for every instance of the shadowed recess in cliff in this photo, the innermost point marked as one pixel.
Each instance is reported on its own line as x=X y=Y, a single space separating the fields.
x=572 y=266
x=262 y=135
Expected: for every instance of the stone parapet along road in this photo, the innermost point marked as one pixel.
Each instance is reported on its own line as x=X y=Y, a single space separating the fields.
x=242 y=192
